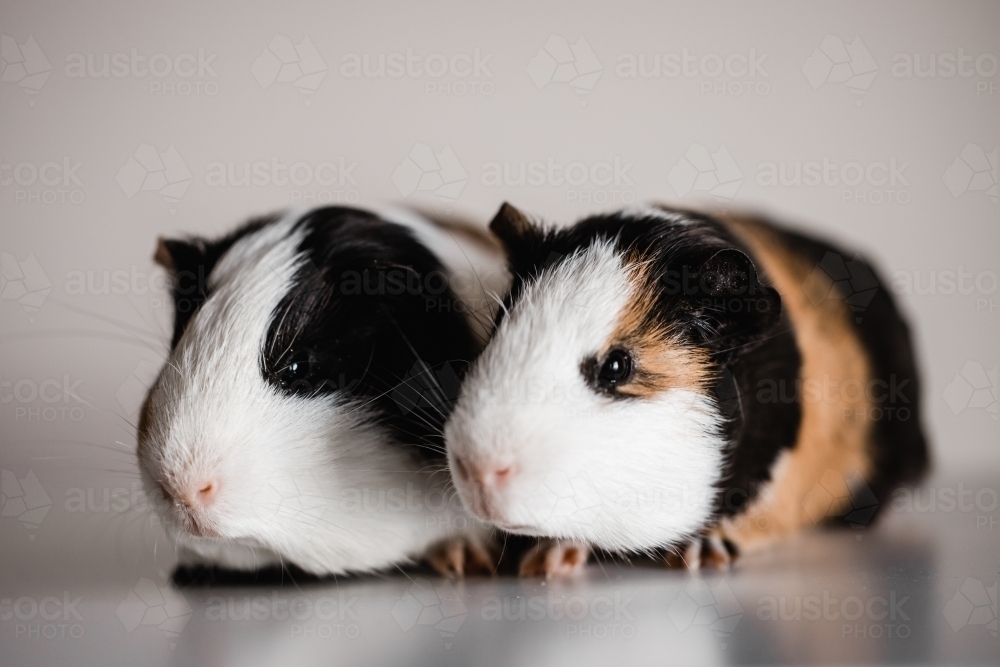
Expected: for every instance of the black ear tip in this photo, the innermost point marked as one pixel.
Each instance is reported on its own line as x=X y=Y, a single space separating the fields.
x=176 y=255
x=506 y=212
x=509 y=223
x=163 y=254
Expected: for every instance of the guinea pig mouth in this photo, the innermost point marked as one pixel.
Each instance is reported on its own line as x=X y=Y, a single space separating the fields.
x=191 y=523
x=519 y=528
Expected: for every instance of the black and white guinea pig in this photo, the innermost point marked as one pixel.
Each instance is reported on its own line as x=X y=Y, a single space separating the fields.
x=314 y=358
x=667 y=380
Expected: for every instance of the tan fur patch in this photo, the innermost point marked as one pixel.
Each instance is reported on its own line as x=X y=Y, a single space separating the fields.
x=809 y=481
x=662 y=362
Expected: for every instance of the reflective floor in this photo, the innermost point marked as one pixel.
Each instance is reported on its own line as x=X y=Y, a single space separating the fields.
x=919 y=588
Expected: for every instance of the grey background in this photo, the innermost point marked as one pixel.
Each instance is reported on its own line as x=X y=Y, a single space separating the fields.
x=91 y=345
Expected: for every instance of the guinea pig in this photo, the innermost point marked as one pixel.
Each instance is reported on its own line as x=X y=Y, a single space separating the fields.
x=673 y=383
x=297 y=420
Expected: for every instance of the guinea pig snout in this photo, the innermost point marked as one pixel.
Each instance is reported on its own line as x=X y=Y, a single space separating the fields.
x=489 y=476
x=193 y=499
x=486 y=481
x=200 y=493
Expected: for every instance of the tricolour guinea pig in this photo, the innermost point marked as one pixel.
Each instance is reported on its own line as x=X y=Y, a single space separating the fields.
x=297 y=420
x=666 y=380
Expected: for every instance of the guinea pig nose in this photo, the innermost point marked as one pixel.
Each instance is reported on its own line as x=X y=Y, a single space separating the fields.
x=495 y=477
x=202 y=494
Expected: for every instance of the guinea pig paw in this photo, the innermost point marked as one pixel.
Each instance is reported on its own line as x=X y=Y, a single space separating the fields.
x=458 y=556
x=710 y=551
x=555 y=558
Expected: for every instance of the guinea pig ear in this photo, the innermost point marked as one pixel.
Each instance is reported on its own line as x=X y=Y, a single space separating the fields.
x=187 y=262
x=177 y=255
x=730 y=300
x=512 y=227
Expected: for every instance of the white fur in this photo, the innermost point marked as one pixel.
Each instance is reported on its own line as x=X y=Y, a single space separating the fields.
x=627 y=474
x=314 y=481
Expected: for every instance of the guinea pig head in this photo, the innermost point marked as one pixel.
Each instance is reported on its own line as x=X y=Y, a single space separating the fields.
x=268 y=426
x=590 y=415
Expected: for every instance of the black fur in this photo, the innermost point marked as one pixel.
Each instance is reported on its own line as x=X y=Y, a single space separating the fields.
x=371 y=316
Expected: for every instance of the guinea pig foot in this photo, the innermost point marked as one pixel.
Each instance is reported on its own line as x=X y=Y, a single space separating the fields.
x=705 y=551
x=458 y=556
x=555 y=558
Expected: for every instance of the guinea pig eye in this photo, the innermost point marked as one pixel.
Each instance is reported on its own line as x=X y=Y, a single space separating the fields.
x=297 y=374
x=616 y=369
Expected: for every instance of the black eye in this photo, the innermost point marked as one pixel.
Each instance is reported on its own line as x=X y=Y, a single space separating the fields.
x=616 y=369
x=298 y=373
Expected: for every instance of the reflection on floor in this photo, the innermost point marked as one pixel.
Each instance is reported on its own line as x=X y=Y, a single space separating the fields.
x=919 y=588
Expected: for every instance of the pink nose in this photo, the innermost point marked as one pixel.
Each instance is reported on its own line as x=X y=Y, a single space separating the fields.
x=196 y=495
x=490 y=477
